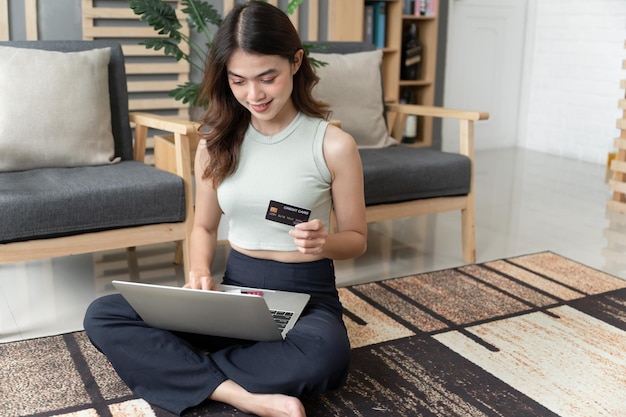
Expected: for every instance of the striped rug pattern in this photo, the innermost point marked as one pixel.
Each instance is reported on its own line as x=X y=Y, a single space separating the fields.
x=535 y=335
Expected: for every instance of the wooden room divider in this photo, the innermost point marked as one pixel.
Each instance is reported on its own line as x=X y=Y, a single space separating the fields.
x=30 y=21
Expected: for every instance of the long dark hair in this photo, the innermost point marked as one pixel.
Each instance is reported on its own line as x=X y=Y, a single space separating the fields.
x=254 y=27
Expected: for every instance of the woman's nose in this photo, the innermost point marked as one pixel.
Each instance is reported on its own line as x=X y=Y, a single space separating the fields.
x=255 y=92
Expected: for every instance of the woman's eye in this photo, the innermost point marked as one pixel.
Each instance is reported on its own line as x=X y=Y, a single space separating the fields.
x=268 y=81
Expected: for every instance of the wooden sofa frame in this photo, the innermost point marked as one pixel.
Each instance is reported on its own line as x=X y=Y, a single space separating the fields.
x=129 y=236
x=396 y=119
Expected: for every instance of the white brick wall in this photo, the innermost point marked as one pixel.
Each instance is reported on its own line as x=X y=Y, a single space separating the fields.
x=576 y=57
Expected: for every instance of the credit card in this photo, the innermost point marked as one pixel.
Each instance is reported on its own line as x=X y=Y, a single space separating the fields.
x=286 y=213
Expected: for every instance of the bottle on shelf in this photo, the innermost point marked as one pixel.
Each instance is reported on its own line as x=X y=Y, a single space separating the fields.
x=410 y=129
x=410 y=67
x=410 y=133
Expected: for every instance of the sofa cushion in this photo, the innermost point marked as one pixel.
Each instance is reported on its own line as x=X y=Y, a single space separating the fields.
x=403 y=173
x=129 y=193
x=54 y=109
x=351 y=84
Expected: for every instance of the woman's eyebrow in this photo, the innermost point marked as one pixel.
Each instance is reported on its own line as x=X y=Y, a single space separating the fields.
x=263 y=74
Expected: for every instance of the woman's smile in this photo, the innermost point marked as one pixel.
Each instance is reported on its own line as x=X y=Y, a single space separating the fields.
x=260 y=108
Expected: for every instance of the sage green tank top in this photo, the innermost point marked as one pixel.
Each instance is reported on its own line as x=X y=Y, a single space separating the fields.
x=288 y=167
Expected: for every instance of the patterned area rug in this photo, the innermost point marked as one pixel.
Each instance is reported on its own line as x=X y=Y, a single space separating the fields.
x=536 y=335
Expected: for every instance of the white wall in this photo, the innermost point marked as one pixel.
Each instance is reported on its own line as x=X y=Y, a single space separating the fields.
x=573 y=62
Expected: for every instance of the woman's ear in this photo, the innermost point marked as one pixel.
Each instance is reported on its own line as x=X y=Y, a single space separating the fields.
x=297 y=61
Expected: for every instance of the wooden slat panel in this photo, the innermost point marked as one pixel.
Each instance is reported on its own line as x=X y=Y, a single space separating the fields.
x=88 y=23
x=617 y=206
x=30 y=11
x=120 y=32
x=128 y=28
x=617 y=186
x=157 y=68
x=119 y=13
x=152 y=86
x=110 y=13
x=619 y=166
x=4 y=20
x=619 y=143
x=294 y=18
x=155 y=104
x=141 y=50
x=314 y=20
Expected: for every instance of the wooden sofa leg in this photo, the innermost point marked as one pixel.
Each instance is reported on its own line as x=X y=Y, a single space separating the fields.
x=178 y=253
x=468 y=231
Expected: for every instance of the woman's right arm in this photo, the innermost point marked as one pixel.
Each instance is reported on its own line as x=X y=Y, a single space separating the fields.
x=203 y=240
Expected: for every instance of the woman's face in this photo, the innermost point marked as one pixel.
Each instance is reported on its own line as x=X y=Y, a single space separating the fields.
x=263 y=85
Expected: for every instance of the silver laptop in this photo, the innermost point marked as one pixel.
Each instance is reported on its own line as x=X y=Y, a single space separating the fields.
x=237 y=312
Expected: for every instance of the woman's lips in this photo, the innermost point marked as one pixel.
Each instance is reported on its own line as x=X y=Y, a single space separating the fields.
x=260 y=108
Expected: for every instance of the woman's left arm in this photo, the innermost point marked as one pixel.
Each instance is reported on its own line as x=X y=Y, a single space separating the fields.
x=349 y=240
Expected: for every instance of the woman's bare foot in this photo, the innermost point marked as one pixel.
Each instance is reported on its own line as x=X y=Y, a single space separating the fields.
x=263 y=405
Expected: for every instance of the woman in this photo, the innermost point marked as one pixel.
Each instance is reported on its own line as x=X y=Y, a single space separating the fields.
x=265 y=138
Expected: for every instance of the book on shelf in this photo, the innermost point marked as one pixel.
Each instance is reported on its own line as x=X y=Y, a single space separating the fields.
x=426 y=7
x=378 y=23
x=368 y=24
x=408 y=6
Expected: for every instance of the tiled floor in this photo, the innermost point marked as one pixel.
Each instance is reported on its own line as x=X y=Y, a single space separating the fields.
x=526 y=202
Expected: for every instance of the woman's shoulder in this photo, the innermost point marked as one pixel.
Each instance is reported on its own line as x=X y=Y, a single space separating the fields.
x=338 y=142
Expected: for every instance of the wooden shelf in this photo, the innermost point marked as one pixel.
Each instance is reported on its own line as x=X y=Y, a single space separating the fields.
x=416 y=17
x=423 y=89
x=416 y=83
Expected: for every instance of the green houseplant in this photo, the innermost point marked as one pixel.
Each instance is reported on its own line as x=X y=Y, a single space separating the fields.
x=202 y=19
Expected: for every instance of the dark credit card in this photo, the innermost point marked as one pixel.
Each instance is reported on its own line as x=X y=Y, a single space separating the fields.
x=286 y=213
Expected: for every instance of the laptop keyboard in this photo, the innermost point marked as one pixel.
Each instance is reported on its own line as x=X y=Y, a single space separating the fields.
x=281 y=318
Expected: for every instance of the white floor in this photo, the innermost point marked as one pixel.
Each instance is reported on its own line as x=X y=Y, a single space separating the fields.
x=527 y=202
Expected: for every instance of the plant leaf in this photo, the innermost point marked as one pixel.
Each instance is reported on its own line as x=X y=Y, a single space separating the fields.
x=161 y=16
x=200 y=14
x=188 y=93
x=293 y=5
x=316 y=63
x=169 y=45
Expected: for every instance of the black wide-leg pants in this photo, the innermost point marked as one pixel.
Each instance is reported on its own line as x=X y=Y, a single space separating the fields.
x=174 y=371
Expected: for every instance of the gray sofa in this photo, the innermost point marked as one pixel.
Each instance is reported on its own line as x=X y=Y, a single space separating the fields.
x=51 y=212
x=401 y=180
x=58 y=211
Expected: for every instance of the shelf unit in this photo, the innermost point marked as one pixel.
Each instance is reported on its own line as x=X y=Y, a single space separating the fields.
x=422 y=89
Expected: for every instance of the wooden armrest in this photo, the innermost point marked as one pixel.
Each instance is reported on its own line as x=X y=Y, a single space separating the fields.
x=167 y=123
x=181 y=128
x=432 y=111
x=466 y=118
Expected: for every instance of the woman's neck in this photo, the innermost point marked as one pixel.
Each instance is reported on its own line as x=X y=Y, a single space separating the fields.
x=276 y=124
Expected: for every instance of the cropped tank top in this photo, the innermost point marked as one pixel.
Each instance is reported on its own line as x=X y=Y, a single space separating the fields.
x=289 y=168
